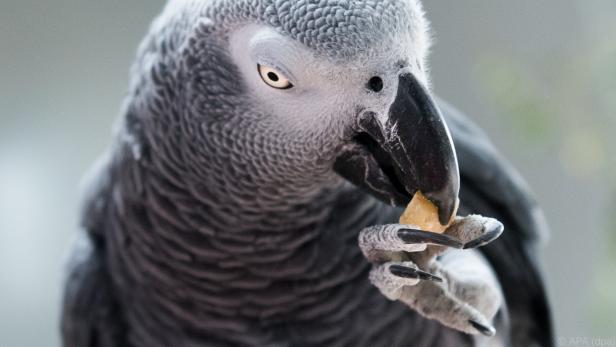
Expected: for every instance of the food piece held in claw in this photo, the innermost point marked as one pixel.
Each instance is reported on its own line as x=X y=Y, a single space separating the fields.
x=422 y=213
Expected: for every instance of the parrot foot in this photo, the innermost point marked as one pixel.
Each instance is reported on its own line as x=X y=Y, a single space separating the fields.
x=438 y=275
x=392 y=277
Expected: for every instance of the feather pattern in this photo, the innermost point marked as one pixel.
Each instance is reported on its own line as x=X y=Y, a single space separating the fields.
x=210 y=223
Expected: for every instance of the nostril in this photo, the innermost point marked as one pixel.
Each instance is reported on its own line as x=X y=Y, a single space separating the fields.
x=375 y=84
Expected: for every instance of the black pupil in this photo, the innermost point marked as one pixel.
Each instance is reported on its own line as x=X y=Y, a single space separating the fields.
x=375 y=84
x=272 y=76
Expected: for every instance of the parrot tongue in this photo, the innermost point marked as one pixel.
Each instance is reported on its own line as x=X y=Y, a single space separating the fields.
x=410 y=150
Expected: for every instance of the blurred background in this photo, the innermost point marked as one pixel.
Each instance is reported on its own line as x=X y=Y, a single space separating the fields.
x=538 y=76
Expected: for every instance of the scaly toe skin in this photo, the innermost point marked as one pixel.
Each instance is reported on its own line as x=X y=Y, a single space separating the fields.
x=492 y=230
x=391 y=277
x=434 y=301
x=475 y=230
x=468 y=298
x=379 y=242
x=384 y=238
x=466 y=232
x=456 y=286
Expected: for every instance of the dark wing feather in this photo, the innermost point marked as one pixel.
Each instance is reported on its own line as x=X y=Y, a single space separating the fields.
x=90 y=313
x=492 y=187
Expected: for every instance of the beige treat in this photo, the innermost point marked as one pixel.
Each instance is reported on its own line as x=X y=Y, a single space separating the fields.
x=422 y=213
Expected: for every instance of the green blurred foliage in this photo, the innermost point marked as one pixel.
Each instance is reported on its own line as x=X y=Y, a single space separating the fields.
x=517 y=94
x=569 y=106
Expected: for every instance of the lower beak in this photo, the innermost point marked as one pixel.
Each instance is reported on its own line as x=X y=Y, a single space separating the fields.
x=410 y=150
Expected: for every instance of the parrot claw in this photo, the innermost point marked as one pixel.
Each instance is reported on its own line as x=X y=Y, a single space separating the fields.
x=493 y=231
x=420 y=236
x=438 y=275
x=409 y=272
x=377 y=242
x=483 y=329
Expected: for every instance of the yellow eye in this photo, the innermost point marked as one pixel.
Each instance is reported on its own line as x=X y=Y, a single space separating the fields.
x=273 y=78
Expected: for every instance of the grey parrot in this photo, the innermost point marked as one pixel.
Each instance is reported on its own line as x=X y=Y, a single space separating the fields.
x=251 y=194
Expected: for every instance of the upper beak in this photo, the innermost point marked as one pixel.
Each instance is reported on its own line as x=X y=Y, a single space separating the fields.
x=407 y=151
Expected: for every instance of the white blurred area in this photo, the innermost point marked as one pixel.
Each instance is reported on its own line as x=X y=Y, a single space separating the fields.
x=64 y=69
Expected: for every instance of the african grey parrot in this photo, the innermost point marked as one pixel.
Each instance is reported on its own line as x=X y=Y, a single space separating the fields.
x=252 y=191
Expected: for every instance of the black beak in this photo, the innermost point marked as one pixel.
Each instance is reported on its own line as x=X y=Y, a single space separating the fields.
x=408 y=150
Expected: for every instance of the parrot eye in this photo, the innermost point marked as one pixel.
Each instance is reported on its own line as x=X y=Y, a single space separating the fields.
x=375 y=84
x=273 y=78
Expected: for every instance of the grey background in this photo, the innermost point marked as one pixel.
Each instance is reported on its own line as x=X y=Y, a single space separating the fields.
x=540 y=77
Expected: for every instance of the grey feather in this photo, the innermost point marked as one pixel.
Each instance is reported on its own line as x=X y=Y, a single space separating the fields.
x=210 y=222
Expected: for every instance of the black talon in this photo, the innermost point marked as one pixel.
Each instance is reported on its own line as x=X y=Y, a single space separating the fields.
x=487 y=237
x=485 y=330
x=409 y=272
x=420 y=236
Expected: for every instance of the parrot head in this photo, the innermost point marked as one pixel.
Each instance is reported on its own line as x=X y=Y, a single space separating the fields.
x=292 y=93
